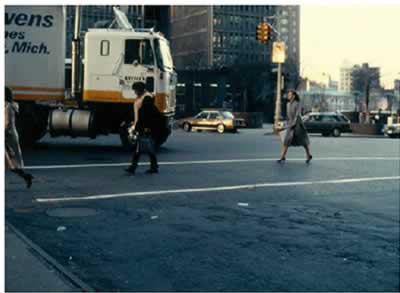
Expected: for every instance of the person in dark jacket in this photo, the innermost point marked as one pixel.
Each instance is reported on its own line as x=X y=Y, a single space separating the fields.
x=147 y=125
x=13 y=154
x=294 y=134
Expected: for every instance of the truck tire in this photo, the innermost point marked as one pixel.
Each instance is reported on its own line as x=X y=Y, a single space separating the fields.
x=31 y=122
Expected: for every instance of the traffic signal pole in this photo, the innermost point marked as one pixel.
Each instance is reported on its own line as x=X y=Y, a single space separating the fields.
x=263 y=35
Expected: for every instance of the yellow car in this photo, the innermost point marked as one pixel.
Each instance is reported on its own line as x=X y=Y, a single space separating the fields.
x=213 y=120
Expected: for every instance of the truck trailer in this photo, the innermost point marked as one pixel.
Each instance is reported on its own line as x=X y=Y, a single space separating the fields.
x=104 y=65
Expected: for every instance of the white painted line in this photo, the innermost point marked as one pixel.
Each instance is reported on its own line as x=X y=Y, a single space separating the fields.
x=219 y=188
x=44 y=167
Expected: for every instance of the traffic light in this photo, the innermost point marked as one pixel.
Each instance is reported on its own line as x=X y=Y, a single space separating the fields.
x=263 y=33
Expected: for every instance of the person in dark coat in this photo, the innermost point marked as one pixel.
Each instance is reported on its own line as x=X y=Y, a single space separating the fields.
x=147 y=124
x=13 y=155
x=294 y=134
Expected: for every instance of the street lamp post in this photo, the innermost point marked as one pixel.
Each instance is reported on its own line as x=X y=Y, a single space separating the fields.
x=277 y=116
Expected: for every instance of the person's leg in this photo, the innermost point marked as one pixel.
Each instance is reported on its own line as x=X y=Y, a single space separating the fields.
x=153 y=163
x=284 y=152
x=308 y=153
x=26 y=176
x=134 y=162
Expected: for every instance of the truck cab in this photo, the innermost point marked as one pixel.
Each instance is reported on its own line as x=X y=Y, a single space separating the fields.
x=114 y=60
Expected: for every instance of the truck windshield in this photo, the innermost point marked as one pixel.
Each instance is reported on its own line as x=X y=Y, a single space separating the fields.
x=163 y=54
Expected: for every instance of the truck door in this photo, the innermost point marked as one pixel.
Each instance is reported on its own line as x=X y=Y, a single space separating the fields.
x=138 y=62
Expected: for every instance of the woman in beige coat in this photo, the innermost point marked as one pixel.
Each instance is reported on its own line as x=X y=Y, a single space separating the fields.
x=13 y=155
x=295 y=133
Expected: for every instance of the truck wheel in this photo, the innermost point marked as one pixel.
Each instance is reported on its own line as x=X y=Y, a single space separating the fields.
x=31 y=122
x=336 y=132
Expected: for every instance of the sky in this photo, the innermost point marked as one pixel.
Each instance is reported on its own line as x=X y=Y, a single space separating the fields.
x=332 y=35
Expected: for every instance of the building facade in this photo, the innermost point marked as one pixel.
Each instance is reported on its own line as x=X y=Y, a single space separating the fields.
x=205 y=37
x=345 y=83
x=288 y=25
x=397 y=87
x=215 y=48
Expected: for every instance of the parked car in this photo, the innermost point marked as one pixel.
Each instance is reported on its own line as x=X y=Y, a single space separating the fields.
x=213 y=120
x=327 y=123
x=392 y=130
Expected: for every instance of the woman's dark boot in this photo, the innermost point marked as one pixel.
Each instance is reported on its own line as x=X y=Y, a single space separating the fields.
x=28 y=180
x=281 y=160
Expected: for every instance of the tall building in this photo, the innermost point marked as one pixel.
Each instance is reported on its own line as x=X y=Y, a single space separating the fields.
x=217 y=46
x=365 y=77
x=345 y=83
x=397 y=87
x=288 y=26
x=217 y=36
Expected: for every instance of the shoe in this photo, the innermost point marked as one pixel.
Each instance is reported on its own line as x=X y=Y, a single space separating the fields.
x=130 y=170
x=281 y=160
x=28 y=179
x=152 y=171
x=309 y=160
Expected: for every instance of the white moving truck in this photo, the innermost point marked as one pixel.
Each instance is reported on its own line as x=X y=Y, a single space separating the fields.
x=105 y=64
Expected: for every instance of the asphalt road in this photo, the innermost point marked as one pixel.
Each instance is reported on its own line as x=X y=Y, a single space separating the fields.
x=222 y=215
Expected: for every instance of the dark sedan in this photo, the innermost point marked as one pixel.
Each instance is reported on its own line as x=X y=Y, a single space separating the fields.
x=327 y=123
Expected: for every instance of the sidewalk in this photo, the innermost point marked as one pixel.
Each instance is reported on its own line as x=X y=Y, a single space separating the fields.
x=29 y=269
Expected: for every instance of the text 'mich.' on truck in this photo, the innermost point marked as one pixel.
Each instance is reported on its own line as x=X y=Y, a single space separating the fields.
x=105 y=64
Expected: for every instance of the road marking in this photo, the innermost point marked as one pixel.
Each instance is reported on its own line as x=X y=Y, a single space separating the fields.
x=219 y=188
x=44 y=167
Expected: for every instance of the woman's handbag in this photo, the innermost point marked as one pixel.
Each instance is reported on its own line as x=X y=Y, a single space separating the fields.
x=146 y=144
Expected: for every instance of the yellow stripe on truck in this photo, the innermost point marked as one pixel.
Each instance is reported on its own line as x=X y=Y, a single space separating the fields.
x=27 y=93
x=36 y=89
x=105 y=97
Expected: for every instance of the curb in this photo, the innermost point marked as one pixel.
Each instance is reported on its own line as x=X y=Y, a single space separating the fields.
x=75 y=281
